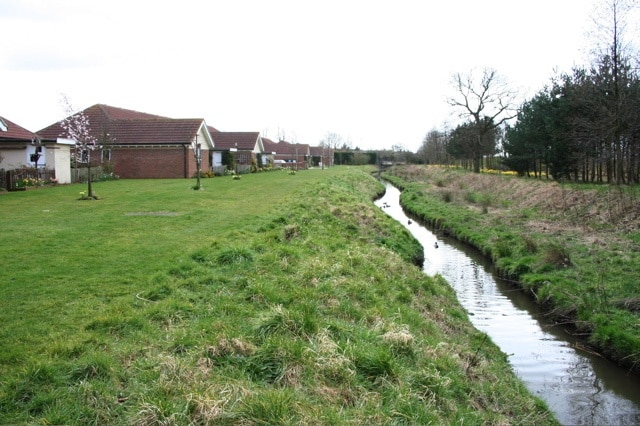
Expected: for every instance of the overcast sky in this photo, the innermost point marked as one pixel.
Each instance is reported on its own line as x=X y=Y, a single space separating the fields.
x=375 y=72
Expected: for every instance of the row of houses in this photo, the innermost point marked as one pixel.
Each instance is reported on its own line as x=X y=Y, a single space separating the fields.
x=134 y=144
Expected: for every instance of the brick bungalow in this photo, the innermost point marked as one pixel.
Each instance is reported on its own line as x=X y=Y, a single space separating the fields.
x=23 y=149
x=269 y=150
x=140 y=145
x=320 y=156
x=247 y=147
x=291 y=155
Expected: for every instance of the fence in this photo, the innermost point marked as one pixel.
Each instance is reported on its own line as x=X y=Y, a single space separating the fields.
x=20 y=179
x=79 y=174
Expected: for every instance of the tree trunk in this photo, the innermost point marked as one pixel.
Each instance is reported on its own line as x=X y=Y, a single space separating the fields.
x=89 y=189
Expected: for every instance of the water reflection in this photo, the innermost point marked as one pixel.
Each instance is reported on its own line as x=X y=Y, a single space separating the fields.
x=581 y=389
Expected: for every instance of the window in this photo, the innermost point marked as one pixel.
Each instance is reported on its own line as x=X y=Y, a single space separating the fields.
x=3 y=126
x=106 y=155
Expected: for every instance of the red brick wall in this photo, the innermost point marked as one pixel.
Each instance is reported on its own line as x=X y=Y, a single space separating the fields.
x=132 y=163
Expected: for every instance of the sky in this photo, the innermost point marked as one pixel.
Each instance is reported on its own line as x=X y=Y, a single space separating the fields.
x=376 y=73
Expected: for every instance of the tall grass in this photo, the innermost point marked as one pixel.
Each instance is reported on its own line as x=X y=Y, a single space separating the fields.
x=274 y=299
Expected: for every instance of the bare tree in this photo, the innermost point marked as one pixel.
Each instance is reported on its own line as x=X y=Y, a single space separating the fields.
x=434 y=147
x=332 y=140
x=487 y=104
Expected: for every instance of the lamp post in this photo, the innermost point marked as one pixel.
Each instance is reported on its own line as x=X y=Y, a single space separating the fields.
x=198 y=162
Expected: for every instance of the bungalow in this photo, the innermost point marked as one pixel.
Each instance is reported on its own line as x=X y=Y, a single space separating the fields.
x=269 y=151
x=292 y=155
x=22 y=149
x=140 y=145
x=321 y=156
x=246 y=146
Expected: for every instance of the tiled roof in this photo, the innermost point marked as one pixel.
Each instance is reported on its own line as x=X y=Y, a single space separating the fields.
x=14 y=132
x=132 y=127
x=156 y=131
x=284 y=147
x=269 y=145
x=114 y=113
x=245 y=141
x=319 y=151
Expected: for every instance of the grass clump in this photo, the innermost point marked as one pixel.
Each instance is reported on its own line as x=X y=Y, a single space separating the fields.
x=234 y=310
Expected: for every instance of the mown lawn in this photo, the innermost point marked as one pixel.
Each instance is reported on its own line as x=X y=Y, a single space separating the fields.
x=274 y=299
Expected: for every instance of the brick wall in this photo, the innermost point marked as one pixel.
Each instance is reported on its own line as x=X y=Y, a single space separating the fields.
x=161 y=162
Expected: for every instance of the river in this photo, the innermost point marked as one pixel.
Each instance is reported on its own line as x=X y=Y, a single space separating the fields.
x=580 y=388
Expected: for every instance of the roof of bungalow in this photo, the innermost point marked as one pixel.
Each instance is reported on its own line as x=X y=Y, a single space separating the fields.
x=128 y=127
x=284 y=148
x=245 y=141
x=11 y=132
x=155 y=131
x=320 y=151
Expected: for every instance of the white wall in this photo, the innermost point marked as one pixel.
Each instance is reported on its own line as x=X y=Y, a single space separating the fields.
x=13 y=159
x=59 y=156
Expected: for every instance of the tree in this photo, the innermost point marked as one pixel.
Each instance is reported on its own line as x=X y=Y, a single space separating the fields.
x=434 y=148
x=544 y=134
x=613 y=94
x=77 y=128
x=335 y=141
x=471 y=141
x=586 y=125
x=526 y=141
x=488 y=104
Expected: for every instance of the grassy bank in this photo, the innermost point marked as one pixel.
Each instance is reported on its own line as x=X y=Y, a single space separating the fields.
x=274 y=299
x=575 y=247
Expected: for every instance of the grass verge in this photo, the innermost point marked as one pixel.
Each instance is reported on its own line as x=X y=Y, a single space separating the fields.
x=274 y=299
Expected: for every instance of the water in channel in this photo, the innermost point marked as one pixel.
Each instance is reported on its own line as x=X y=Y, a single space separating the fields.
x=579 y=387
